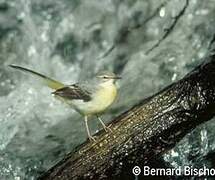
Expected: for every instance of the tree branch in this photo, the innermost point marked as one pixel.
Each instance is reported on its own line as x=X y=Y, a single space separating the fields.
x=143 y=133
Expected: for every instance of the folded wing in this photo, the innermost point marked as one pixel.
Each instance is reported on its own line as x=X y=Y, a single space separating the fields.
x=73 y=92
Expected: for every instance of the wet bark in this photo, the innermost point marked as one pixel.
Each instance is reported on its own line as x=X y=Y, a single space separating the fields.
x=142 y=134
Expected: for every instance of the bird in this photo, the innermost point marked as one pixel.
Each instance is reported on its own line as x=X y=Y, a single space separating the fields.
x=88 y=98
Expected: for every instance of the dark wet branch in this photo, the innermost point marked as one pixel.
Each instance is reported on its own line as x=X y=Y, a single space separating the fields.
x=142 y=134
x=169 y=29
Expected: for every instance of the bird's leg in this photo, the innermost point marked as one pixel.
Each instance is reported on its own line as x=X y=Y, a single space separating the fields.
x=91 y=138
x=106 y=128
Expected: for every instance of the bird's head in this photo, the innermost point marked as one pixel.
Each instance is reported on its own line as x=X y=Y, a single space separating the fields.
x=106 y=77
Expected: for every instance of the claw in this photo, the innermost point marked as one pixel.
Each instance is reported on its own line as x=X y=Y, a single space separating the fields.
x=92 y=139
x=107 y=129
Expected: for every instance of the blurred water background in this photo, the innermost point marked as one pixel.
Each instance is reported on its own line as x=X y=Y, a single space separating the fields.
x=70 y=40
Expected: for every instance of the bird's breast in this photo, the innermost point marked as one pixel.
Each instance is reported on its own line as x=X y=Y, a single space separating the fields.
x=106 y=95
x=102 y=98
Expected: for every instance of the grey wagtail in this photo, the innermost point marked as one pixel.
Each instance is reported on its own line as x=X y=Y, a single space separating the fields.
x=87 y=98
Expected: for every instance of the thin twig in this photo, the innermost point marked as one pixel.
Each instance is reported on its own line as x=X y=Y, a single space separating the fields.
x=131 y=29
x=169 y=30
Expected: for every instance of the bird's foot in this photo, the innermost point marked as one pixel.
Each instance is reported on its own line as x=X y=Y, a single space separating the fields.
x=92 y=139
x=107 y=129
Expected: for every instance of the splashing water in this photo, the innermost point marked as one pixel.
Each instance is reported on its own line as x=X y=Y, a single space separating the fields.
x=67 y=40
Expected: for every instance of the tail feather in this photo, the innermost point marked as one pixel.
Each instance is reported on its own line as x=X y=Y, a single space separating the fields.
x=53 y=84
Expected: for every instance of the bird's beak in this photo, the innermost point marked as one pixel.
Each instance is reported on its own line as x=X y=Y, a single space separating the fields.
x=117 y=77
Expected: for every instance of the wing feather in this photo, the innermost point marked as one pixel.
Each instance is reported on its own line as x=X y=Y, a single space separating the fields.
x=73 y=92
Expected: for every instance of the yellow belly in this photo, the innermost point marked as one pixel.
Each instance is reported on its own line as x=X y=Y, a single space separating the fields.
x=102 y=99
x=105 y=97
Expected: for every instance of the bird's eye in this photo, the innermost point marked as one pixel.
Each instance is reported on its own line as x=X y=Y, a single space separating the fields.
x=105 y=77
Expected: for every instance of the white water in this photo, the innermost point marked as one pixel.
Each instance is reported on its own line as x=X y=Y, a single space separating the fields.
x=66 y=40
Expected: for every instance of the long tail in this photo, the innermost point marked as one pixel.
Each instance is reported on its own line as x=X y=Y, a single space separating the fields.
x=53 y=84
